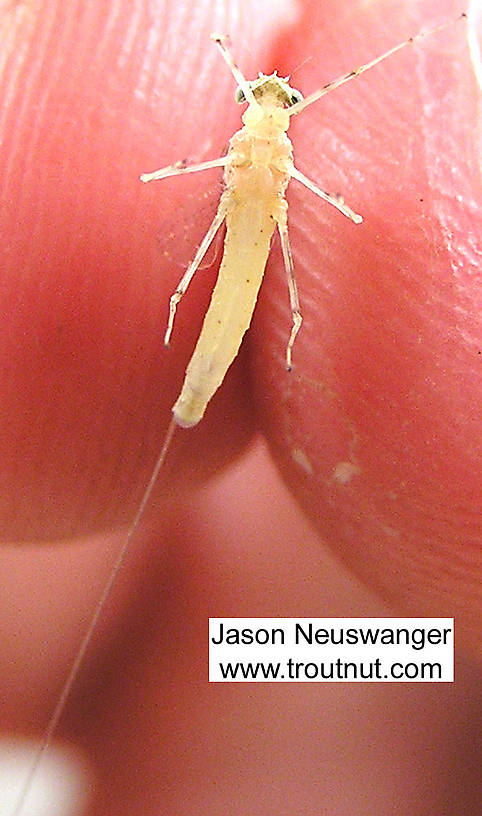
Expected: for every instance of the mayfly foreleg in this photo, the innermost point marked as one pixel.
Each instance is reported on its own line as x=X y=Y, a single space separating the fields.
x=331 y=86
x=336 y=200
x=179 y=168
x=292 y=288
x=221 y=41
x=193 y=266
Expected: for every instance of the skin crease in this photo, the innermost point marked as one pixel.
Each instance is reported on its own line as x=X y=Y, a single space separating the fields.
x=87 y=390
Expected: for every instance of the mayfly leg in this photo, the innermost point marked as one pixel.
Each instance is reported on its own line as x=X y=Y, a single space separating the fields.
x=292 y=288
x=331 y=86
x=191 y=270
x=222 y=42
x=179 y=169
x=336 y=200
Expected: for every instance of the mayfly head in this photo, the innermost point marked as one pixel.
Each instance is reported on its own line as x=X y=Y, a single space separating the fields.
x=271 y=86
x=272 y=97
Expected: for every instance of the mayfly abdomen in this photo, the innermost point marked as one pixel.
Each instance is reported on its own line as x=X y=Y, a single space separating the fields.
x=249 y=228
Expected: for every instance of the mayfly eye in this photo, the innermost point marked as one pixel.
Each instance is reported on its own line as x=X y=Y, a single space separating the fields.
x=239 y=96
x=296 y=96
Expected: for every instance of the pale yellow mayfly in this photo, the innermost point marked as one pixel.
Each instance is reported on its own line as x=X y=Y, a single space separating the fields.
x=257 y=168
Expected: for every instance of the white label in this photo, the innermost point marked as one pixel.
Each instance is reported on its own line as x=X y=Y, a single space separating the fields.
x=330 y=650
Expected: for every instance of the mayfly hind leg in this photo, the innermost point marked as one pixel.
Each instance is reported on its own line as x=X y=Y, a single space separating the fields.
x=178 y=169
x=338 y=202
x=192 y=268
x=292 y=288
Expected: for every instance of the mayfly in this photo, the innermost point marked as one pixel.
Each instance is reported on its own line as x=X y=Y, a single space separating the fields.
x=257 y=169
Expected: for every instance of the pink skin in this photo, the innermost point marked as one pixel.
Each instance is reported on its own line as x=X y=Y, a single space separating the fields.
x=383 y=379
